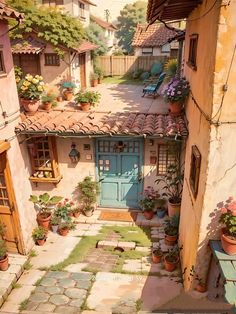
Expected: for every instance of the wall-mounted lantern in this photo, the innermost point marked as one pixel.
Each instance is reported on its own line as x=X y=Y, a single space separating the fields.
x=74 y=154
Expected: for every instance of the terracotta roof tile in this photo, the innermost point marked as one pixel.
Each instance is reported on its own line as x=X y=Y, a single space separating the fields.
x=67 y=122
x=7 y=12
x=28 y=45
x=102 y=23
x=154 y=35
x=86 y=46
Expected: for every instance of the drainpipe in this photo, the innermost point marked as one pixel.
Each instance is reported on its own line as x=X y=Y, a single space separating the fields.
x=179 y=58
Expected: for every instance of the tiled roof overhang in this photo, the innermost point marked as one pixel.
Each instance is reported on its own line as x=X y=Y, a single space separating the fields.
x=25 y=46
x=102 y=23
x=67 y=123
x=167 y=10
x=7 y=12
x=86 y=46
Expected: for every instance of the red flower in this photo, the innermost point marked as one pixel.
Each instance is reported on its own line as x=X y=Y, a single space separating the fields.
x=223 y=210
x=233 y=213
x=232 y=206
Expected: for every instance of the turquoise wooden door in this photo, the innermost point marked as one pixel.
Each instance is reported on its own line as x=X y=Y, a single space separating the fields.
x=119 y=165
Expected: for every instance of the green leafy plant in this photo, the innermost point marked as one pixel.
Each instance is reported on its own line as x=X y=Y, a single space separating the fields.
x=48 y=98
x=45 y=202
x=160 y=203
x=157 y=251
x=177 y=90
x=63 y=210
x=31 y=87
x=67 y=225
x=193 y=273
x=39 y=233
x=55 y=221
x=3 y=229
x=18 y=73
x=149 y=200
x=172 y=226
x=68 y=85
x=87 y=97
x=173 y=254
x=228 y=216
x=95 y=34
x=170 y=68
x=89 y=190
x=3 y=249
x=98 y=71
x=94 y=76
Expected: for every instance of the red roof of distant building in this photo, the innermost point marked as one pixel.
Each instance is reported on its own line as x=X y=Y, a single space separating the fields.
x=86 y=46
x=7 y=12
x=154 y=35
x=103 y=24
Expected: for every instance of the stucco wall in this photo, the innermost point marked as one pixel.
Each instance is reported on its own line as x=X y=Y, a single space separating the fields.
x=10 y=104
x=156 y=52
x=73 y=8
x=217 y=177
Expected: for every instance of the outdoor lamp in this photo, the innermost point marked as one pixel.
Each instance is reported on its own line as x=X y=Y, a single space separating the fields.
x=74 y=154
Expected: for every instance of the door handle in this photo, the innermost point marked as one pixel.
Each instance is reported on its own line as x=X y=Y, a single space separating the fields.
x=101 y=179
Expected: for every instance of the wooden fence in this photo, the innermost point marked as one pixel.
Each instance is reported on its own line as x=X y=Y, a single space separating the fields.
x=121 y=65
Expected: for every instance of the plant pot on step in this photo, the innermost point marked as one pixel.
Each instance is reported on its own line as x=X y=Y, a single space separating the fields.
x=55 y=228
x=148 y=214
x=88 y=212
x=4 y=263
x=63 y=231
x=228 y=243
x=161 y=213
x=94 y=82
x=68 y=94
x=44 y=220
x=47 y=106
x=173 y=208
x=41 y=242
x=99 y=80
x=76 y=214
x=30 y=106
x=171 y=239
x=156 y=257
x=175 y=107
x=85 y=106
x=201 y=288
x=170 y=265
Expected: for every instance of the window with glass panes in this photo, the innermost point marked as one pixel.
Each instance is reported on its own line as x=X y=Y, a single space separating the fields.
x=166 y=155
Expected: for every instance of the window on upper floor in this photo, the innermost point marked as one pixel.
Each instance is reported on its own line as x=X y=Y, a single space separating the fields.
x=192 y=56
x=195 y=170
x=147 y=51
x=166 y=155
x=82 y=10
x=53 y=2
x=2 y=65
x=51 y=59
x=43 y=156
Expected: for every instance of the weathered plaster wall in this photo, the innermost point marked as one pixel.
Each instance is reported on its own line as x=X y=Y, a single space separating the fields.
x=89 y=68
x=73 y=8
x=10 y=104
x=156 y=52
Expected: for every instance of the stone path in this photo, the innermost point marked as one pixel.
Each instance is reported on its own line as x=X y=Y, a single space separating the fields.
x=99 y=260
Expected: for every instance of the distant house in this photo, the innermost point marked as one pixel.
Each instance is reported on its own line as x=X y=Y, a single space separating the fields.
x=36 y=56
x=80 y=9
x=153 y=40
x=109 y=32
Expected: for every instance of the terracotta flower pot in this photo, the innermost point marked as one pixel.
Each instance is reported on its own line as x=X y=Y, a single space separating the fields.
x=173 y=209
x=59 y=98
x=88 y=213
x=201 y=288
x=175 y=107
x=170 y=266
x=170 y=240
x=4 y=263
x=41 y=242
x=68 y=94
x=94 y=83
x=148 y=214
x=85 y=106
x=76 y=214
x=156 y=258
x=63 y=232
x=99 y=80
x=228 y=244
x=47 y=105
x=44 y=221
x=30 y=106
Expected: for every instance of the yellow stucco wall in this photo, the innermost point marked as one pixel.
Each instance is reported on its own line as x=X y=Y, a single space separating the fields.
x=217 y=37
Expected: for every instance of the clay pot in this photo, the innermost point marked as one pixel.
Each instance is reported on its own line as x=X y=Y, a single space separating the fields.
x=76 y=214
x=41 y=242
x=156 y=258
x=59 y=98
x=47 y=105
x=99 y=80
x=201 y=288
x=88 y=213
x=148 y=214
x=30 y=106
x=228 y=244
x=85 y=106
x=44 y=221
x=173 y=209
x=68 y=94
x=170 y=240
x=175 y=107
x=63 y=232
x=94 y=83
x=170 y=266
x=4 y=263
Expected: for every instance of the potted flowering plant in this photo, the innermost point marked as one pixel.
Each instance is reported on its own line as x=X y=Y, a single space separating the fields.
x=176 y=92
x=148 y=202
x=86 y=99
x=64 y=209
x=39 y=235
x=228 y=218
x=30 y=89
x=89 y=190
x=68 y=90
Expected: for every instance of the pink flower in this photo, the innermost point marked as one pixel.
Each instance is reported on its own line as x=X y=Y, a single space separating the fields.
x=223 y=210
x=66 y=199
x=233 y=213
x=232 y=206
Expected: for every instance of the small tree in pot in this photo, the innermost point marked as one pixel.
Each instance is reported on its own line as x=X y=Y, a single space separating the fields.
x=39 y=235
x=89 y=190
x=171 y=230
x=4 y=263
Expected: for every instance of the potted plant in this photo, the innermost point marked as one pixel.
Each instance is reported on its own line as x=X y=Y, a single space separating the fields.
x=65 y=227
x=176 y=92
x=45 y=204
x=94 y=79
x=171 y=259
x=63 y=210
x=87 y=99
x=173 y=185
x=171 y=230
x=55 y=222
x=157 y=255
x=228 y=219
x=99 y=72
x=201 y=285
x=148 y=202
x=160 y=206
x=4 y=262
x=89 y=190
x=30 y=89
x=48 y=101
x=68 y=90
x=76 y=212
x=170 y=69
x=39 y=235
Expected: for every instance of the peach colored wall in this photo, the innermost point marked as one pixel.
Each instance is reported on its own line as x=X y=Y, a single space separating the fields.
x=217 y=176
x=10 y=104
x=73 y=8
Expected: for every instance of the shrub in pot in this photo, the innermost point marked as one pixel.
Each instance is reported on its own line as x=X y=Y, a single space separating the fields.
x=76 y=212
x=65 y=227
x=171 y=259
x=63 y=210
x=39 y=235
x=68 y=90
x=99 y=73
x=89 y=190
x=228 y=219
x=160 y=206
x=173 y=185
x=148 y=202
x=45 y=205
x=55 y=221
x=94 y=79
x=48 y=101
x=87 y=99
x=171 y=230
x=157 y=255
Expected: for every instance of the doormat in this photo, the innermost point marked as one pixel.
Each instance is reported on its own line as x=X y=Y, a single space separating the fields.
x=117 y=216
